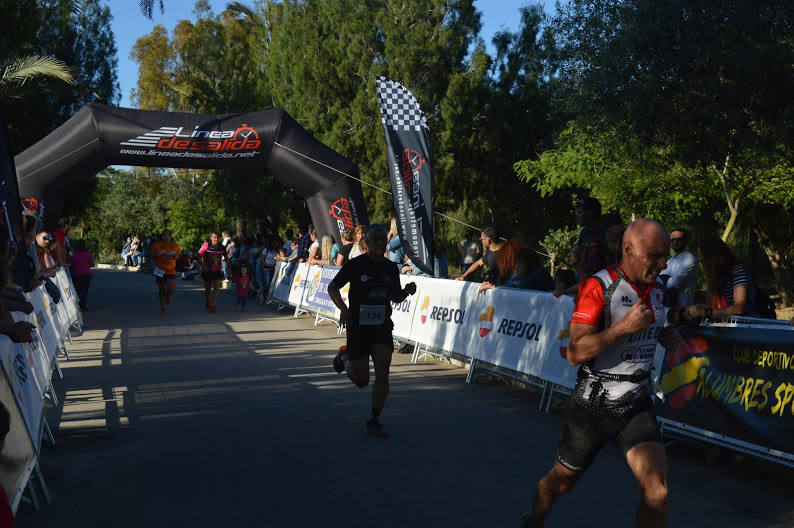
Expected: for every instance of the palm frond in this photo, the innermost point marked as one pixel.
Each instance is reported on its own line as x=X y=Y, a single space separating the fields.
x=21 y=70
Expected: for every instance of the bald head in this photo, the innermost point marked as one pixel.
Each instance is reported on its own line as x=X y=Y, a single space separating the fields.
x=646 y=247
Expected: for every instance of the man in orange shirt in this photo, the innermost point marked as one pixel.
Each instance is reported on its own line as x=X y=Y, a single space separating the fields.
x=165 y=253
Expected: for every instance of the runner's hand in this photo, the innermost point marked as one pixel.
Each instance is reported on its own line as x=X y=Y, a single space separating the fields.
x=638 y=318
x=344 y=318
x=410 y=288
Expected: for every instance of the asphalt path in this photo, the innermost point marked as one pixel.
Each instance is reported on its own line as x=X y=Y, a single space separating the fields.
x=237 y=419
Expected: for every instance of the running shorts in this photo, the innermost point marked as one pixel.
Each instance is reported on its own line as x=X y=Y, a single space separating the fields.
x=210 y=276
x=585 y=432
x=359 y=344
x=167 y=276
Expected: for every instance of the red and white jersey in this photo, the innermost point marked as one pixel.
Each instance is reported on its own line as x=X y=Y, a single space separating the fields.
x=604 y=299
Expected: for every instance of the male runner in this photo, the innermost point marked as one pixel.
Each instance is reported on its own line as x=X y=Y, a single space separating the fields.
x=212 y=258
x=374 y=282
x=165 y=254
x=617 y=320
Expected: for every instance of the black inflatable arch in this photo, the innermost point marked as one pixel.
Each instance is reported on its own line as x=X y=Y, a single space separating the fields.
x=98 y=136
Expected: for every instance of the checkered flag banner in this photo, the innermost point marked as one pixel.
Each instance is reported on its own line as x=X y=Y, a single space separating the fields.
x=410 y=170
x=399 y=108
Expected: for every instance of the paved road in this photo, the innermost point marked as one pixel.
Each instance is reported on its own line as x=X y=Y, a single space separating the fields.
x=237 y=419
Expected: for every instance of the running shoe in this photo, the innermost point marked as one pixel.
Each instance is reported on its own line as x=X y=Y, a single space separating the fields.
x=212 y=308
x=339 y=360
x=525 y=519
x=375 y=428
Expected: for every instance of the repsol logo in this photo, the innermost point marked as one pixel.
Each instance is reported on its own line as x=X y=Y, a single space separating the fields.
x=447 y=315
x=404 y=306
x=649 y=333
x=519 y=329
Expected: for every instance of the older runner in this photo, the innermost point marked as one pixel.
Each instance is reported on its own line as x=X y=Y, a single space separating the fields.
x=616 y=323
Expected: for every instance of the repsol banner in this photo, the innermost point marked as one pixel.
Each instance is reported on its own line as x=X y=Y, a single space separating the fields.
x=18 y=457
x=738 y=382
x=445 y=315
x=18 y=367
x=298 y=287
x=402 y=313
x=524 y=330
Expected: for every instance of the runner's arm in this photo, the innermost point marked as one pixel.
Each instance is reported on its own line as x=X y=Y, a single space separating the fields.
x=586 y=341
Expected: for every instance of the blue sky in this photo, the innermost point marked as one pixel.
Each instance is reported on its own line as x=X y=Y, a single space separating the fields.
x=129 y=24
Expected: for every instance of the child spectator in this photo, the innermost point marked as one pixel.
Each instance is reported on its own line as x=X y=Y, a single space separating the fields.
x=243 y=281
x=82 y=262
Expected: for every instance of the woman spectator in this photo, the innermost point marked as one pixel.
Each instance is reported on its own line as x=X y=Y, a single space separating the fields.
x=44 y=252
x=731 y=290
x=394 y=247
x=315 y=256
x=506 y=259
x=528 y=274
x=344 y=250
x=82 y=262
x=326 y=249
x=125 y=251
x=136 y=251
x=358 y=241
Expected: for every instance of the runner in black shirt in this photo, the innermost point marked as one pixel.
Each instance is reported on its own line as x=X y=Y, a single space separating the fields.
x=374 y=283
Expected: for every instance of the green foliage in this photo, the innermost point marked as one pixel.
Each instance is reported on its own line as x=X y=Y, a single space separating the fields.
x=557 y=245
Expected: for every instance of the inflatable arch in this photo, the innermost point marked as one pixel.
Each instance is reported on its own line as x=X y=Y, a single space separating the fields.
x=98 y=136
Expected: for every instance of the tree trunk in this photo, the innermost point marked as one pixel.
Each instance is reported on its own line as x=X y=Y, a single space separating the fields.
x=240 y=225
x=783 y=275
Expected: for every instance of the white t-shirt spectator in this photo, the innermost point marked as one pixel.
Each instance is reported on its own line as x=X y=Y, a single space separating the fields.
x=468 y=250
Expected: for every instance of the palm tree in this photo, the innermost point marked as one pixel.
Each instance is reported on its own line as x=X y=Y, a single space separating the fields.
x=22 y=69
x=147 y=6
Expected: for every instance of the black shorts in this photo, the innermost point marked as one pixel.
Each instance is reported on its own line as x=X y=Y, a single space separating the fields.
x=210 y=276
x=359 y=344
x=167 y=276
x=585 y=432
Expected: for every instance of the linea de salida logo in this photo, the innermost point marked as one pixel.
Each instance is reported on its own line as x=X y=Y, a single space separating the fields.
x=342 y=211
x=178 y=139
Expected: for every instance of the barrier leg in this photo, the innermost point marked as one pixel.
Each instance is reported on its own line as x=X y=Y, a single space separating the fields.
x=415 y=355
x=48 y=431
x=549 y=399
x=44 y=490
x=472 y=369
x=543 y=396
x=32 y=492
x=63 y=351
x=53 y=397
x=58 y=369
x=317 y=318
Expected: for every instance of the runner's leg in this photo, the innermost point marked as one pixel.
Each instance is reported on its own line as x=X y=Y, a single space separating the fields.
x=648 y=462
x=381 y=358
x=358 y=371
x=171 y=285
x=207 y=285
x=559 y=481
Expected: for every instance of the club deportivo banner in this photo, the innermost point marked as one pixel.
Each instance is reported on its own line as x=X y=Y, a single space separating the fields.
x=733 y=381
x=411 y=170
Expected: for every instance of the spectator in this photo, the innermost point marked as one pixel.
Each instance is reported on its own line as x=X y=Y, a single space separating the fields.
x=394 y=247
x=506 y=260
x=326 y=249
x=440 y=266
x=282 y=255
x=359 y=244
x=614 y=236
x=44 y=252
x=6 y=515
x=681 y=274
x=226 y=240
x=564 y=279
x=315 y=255
x=593 y=252
x=268 y=263
x=62 y=249
x=136 y=251
x=492 y=245
x=731 y=290
x=344 y=250
x=307 y=238
x=82 y=262
x=193 y=269
x=527 y=274
x=243 y=281
x=288 y=241
x=468 y=251
x=126 y=251
x=10 y=300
